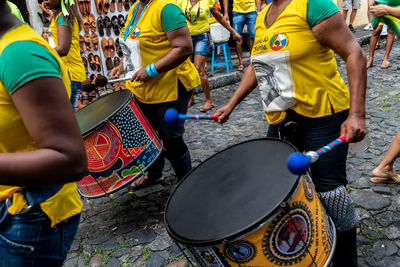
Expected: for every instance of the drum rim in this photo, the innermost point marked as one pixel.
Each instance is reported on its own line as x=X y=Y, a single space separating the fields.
x=245 y=232
x=88 y=131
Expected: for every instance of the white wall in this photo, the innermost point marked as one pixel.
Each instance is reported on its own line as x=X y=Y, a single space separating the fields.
x=361 y=17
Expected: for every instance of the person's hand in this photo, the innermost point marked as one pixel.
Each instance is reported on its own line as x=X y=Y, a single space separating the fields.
x=354 y=128
x=115 y=72
x=378 y=10
x=238 y=38
x=223 y=113
x=226 y=17
x=140 y=76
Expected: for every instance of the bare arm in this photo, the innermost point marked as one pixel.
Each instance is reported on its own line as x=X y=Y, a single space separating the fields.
x=226 y=13
x=182 y=48
x=64 y=40
x=246 y=86
x=333 y=33
x=224 y=23
x=48 y=116
x=382 y=10
x=258 y=5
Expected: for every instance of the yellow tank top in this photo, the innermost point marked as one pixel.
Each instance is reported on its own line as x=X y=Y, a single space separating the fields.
x=294 y=70
x=15 y=138
x=146 y=44
x=197 y=16
x=72 y=60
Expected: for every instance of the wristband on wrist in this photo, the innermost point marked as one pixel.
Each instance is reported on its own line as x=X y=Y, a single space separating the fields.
x=153 y=70
x=149 y=72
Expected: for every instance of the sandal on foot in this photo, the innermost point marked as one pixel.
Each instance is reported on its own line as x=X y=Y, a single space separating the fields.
x=206 y=107
x=144 y=181
x=385 y=180
x=240 y=67
x=385 y=65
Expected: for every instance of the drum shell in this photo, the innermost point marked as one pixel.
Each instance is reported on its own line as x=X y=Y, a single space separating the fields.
x=263 y=248
x=119 y=150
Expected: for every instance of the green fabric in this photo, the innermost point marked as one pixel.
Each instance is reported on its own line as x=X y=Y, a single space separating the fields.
x=25 y=61
x=318 y=10
x=392 y=22
x=172 y=17
x=15 y=11
x=62 y=20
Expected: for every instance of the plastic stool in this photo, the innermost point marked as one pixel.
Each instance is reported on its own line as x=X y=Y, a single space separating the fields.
x=215 y=62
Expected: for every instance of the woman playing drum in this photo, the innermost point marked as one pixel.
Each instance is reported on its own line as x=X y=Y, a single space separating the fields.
x=41 y=150
x=306 y=101
x=156 y=44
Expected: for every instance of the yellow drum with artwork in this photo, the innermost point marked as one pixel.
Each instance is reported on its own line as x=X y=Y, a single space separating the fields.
x=242 y=207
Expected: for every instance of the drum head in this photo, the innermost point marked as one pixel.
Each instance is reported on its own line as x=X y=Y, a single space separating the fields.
x=231 y=192
x=100 y=110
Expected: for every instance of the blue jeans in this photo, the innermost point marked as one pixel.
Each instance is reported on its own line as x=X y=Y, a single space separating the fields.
x=200 y=44
x=239 y=19
x=28 y=240
x=75 y=90
x=329 y=172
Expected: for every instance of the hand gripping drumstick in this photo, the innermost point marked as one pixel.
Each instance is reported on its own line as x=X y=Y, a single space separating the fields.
x=298 y=163
x=172 y=115
x=102 y=81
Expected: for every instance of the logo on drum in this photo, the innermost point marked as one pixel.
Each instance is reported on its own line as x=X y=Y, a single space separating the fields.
x=241 y=251
x=289 y=236
x=308 y=188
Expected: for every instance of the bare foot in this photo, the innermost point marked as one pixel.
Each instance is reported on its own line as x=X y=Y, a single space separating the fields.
x=207 y=106
x=380 y=172
x=369 y=63
x=191 y=102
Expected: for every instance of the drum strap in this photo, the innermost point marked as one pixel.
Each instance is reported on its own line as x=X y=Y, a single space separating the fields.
x=340 y=208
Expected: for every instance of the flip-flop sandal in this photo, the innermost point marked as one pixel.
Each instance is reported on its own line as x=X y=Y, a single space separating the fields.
x=92 y=22
x=99 y=6
x=121 y=21
x=240 y=67
x=112 y=6
x=118 y=48
x=82 y=44
x=126 y=5
x=92 y=62
x=82 y=7
x=88 y=42
x=106 y=6
x=95 y=41
x=117 y=61
x=85 y=22
x=105 y=48
x=85 y=63
x=384 y=180
x=107 y=25
x=88 y=6
x=111 y=47
x=119 y=5
x=115 y=25
x=385 y=65
x=144 y=181
x=109 y=63
x=205 y=109
x=98 y=63
x=100 y=26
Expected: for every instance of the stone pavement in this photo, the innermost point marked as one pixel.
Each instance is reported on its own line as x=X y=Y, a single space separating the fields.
x=128 y=229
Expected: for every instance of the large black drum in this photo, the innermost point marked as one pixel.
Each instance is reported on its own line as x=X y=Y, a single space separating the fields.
x=242 y=207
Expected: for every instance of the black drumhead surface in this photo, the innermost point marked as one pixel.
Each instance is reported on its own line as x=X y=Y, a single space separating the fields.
x=230 y=192
x=100 y=110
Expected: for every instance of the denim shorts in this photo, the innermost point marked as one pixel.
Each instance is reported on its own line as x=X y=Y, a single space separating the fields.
x=28 y=240
x=239 y=19
x=200 y=44
x=75 y=90
x=355 y=4
x=309 y=134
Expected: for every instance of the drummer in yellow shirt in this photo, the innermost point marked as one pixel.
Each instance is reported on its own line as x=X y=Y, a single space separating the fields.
x=243 y=12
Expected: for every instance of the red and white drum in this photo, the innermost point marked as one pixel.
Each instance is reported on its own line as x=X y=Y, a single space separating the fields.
x=120 y=143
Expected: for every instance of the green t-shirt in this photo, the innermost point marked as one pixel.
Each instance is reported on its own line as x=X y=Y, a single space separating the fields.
x=172 y=18
x=24 y=61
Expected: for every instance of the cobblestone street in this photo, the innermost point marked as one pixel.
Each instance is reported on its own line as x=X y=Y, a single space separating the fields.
x=128 y=228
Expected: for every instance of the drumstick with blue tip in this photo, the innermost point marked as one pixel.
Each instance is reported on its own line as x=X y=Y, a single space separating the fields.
x=298 y=163
x=172 y=115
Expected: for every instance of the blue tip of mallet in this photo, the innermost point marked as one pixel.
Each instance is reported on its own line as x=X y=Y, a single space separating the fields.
x=171 y=115
x=298 y=163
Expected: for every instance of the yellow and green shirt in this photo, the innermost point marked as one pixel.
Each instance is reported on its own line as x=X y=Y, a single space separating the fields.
x=25 y=56
x=72 y=60
x=197 y=15
x=147 y=43
x=244 y=6
x=294 y=70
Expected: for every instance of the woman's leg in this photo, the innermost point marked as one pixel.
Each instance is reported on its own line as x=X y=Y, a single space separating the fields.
x=376 y=33
x=200 y=63
x=389 y=43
